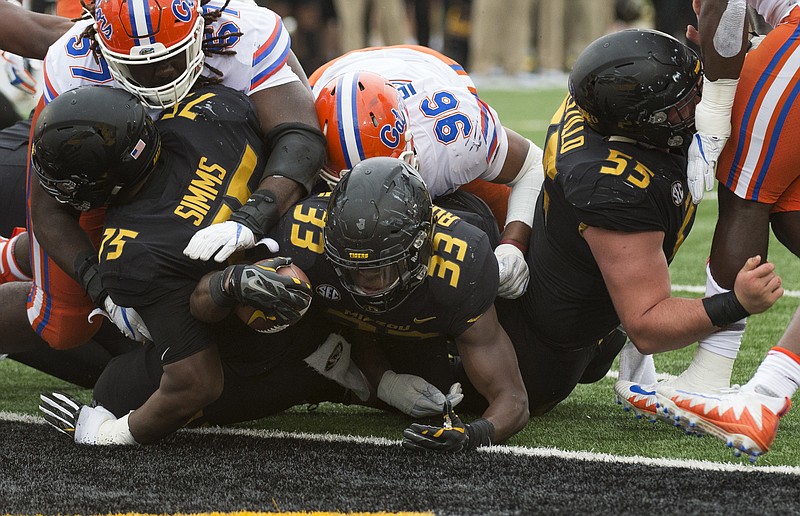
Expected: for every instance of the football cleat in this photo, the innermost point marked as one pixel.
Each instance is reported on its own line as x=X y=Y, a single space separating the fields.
x=637 y=398
x=746 y=420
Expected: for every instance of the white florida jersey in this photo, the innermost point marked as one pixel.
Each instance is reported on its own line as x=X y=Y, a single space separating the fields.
x=259 y=62
x=457 y=136
x=773 y=11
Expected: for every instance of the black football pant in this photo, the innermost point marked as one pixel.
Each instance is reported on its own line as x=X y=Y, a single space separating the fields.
x=550 y=374
x=130 y=379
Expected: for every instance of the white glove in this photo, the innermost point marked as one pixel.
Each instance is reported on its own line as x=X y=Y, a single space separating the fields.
x=414 y=396
x=125 y=319
x=702 y=164
x=89 y=421
x=514 y=273
x=224 y=239
x=712 y=120
x=17 y=72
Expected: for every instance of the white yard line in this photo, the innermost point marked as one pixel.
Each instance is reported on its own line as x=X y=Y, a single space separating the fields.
x=510 y=450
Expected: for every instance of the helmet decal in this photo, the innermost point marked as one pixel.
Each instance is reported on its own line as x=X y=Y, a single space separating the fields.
x=377 y=234
x=182 y=9
x=391 y=134
x=141 y=23
x=91 y=142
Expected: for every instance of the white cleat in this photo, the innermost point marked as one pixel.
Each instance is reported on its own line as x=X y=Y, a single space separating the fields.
x=637 y=398
x=746 y=420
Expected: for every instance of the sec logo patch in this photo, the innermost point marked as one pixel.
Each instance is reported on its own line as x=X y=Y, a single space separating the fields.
x=328 y=292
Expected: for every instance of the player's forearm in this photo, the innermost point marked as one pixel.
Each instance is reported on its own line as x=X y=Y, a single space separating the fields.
x=57 y=231
x=508 y=413
x=671 y=324
x=27 y=33
x=202 y=304
x=187 y=386
x=518 y=232
x=525 y=189
x=723 y=37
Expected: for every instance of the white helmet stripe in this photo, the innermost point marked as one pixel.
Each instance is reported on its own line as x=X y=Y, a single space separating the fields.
x=347 y=113
x=140 y=22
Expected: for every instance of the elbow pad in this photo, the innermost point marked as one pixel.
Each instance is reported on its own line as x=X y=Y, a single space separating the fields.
x=525 y=187
x=296 y=151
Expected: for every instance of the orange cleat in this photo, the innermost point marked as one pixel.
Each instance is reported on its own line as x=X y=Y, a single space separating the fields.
x=746 y=420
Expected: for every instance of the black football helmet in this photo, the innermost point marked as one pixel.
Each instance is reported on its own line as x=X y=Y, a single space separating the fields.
x=640 y=84
x=377 y=232
x=91 y=142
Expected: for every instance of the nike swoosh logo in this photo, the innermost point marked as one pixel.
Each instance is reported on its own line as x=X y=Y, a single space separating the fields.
x=164 y=353
x=420 y=320
x=638 y=389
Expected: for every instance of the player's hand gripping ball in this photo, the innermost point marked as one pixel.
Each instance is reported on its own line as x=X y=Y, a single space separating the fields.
x=269 y=321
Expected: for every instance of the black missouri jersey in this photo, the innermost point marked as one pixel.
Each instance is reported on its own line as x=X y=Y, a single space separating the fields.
x=211 y=160
x=461 y=283
x=592 y=180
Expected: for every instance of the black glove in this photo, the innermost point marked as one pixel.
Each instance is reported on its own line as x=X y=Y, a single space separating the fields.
x=453 y=436
x=261 y=286
x=60 y=410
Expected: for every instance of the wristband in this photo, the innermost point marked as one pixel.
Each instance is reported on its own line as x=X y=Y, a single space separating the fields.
x=713 y=113
x=724 y=309
x=259 y=213
x=217 y=291
x=480 y=433
x=87 y=271
x=516 y=244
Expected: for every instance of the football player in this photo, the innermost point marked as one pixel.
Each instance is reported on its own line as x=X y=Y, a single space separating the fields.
x=159 y=53
x=612 y=214
x=422 y=105
x=745 y=127
x=405 y=277
x=97 y=146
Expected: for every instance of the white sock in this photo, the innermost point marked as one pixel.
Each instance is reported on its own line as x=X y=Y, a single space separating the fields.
x=778 y=374
x=9 y=268
x=636 y=367
x=707 y=371
x=725 y=342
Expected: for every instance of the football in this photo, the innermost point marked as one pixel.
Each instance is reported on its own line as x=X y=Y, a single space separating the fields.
x=263 y=322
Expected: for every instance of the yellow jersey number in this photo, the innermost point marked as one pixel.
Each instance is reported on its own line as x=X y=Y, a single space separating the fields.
x=639 y=177
x=308 y=226
x=455 y=249
x=114 y=241
x=196 y=203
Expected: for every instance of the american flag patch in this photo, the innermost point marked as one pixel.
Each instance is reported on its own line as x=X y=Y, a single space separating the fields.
x=138 y=149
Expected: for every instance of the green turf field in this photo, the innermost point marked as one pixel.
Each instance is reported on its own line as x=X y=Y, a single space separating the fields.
x=589 y=420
